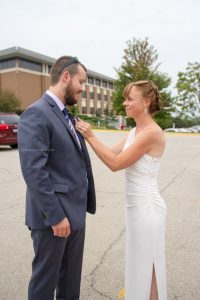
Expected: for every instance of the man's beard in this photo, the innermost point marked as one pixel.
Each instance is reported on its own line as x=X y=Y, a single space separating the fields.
x=69 y=95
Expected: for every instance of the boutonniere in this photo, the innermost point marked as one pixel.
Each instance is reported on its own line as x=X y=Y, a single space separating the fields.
x=73 y=113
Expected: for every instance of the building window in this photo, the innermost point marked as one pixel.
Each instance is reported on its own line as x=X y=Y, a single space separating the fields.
x=84 y=94
x=84 y=110
x=8 y=63
x=91 y=80
x=98 y=96
x=111 y=85
x=98 y=82
x=30 y=65
x=105 y=84
x=105 y=97
x=91 y=95
x=92 y=110
x=98 y=112
x=49 y=69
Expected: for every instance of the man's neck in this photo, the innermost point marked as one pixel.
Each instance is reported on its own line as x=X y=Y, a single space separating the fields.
x=56 y=91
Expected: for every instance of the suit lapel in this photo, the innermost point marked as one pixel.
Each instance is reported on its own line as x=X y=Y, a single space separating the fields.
x=61 y=116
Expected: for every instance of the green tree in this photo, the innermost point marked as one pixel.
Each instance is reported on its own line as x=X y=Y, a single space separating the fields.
x=181 y=121
x=140 y=63
x=188 y=91
x=9 y=102
x=73 y=110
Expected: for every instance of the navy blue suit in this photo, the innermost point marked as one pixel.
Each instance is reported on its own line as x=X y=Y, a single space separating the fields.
x=60 y=184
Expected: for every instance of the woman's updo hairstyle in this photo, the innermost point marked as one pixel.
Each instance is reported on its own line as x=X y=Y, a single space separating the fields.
x=149 y=91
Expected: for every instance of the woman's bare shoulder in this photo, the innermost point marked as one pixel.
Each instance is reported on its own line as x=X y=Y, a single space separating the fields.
x=156 y=131
x=152 y=132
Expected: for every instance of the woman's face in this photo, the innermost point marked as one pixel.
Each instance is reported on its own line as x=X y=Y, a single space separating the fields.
x=134 y=103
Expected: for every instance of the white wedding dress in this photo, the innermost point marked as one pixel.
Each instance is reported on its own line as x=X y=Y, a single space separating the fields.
x=145 y=228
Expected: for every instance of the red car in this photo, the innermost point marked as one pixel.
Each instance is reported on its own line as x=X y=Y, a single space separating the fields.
x=8 y=129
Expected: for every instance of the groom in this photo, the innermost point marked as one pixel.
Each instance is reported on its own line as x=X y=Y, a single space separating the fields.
x=60 y=187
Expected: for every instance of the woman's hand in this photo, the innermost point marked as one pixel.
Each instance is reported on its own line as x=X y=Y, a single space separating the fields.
x=84 y=128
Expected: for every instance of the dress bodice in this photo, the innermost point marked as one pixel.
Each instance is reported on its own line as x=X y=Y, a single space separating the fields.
x=141 y=177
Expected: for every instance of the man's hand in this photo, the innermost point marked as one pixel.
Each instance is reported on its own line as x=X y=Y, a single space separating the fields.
x=62 y=229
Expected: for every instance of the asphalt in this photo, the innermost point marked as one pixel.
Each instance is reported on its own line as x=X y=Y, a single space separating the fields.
x=103 y=267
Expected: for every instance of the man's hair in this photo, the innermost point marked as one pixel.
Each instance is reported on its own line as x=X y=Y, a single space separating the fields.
x=62 y=64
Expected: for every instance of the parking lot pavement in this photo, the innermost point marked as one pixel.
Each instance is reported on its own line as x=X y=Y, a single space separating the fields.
x=103 y=268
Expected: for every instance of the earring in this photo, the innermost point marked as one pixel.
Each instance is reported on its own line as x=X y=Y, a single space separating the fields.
x=145 y=110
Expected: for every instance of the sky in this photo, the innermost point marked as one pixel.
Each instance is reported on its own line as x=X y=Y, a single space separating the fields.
x=96 y=31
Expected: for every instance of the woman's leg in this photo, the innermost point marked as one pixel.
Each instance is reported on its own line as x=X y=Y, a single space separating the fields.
x=154 y=291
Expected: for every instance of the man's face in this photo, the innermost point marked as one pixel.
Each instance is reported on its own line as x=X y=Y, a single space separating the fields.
x=75 y=87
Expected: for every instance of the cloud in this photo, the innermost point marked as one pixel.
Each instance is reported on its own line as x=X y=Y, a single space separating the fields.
x=97 y=31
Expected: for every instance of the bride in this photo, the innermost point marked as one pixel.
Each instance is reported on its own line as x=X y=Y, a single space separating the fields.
x=140 y=154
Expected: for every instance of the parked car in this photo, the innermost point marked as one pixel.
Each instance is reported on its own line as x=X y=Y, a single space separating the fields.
x=170 y=130
x=183 y=130
x=8 y=129
x=196 y=128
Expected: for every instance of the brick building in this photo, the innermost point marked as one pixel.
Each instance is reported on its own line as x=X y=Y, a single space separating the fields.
x=26 y=73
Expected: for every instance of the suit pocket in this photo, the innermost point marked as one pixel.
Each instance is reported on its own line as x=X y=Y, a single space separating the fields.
x=61 y=188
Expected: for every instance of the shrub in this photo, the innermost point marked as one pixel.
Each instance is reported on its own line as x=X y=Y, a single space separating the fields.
x=8 y=102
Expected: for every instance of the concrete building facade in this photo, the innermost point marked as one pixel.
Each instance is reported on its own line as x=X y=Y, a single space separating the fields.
x=27 y=74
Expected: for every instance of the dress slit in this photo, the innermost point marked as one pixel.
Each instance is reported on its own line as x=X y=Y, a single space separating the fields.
x=155 y=275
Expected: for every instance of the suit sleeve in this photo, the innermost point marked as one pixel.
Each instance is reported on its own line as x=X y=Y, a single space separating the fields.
x=34 y=151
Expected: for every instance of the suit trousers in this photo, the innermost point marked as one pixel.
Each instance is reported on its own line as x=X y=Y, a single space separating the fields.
x=57 y=265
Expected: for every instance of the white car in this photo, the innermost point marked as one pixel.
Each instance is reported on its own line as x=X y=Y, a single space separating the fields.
x=195 y=128
x=183 y=130
x=171 y=130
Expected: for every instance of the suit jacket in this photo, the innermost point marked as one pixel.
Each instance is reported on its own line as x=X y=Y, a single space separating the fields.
x=57 y=172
